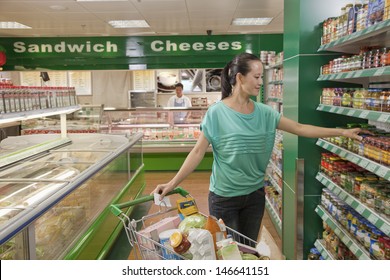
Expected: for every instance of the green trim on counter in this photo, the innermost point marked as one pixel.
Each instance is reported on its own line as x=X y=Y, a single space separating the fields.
x=99 y=238
x=173 y=161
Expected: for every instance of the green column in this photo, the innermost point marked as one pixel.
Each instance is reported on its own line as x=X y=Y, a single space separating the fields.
x=302 y=38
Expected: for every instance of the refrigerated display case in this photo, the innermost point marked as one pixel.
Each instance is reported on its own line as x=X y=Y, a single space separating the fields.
x=55 y=190
x=164 y=129
x=166 y=141
x=85 y=120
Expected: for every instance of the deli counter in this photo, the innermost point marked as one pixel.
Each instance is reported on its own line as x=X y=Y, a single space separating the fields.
x=165 y=129
x=55 y=205
x=170 y=133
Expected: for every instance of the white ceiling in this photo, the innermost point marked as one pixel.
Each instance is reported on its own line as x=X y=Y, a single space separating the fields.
x=165 y=17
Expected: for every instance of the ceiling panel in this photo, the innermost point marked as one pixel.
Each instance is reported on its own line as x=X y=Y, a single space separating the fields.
x=164 y=16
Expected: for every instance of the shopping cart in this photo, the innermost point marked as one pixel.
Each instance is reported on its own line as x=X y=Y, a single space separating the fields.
x=151 y=247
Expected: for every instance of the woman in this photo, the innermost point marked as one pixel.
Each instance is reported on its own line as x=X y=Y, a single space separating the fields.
x=242 y=134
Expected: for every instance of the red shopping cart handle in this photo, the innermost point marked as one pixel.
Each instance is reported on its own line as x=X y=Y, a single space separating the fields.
x=116 y=208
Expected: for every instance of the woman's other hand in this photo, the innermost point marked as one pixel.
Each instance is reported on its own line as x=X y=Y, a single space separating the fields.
x=163 y=189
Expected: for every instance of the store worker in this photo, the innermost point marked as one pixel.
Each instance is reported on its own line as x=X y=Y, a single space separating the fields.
x=242 y=134
x=179 y=100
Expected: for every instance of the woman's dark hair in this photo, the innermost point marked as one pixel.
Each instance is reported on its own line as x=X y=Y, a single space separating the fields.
x=239 y=64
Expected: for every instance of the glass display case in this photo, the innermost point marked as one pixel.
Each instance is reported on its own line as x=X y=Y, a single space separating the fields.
x=55 y=205
x=85 y=120
x=164 y=129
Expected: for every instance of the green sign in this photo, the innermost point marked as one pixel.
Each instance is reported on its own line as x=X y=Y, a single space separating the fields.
x=120 y=52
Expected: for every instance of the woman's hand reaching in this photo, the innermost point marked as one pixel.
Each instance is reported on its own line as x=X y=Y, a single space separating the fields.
x=354 y=133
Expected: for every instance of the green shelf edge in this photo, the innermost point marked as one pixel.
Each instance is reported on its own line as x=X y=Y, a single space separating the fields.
x=363 y=210
x=376 y=168
x=345 y=238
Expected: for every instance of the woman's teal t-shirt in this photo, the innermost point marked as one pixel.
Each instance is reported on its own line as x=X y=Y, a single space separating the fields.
x=242 y=146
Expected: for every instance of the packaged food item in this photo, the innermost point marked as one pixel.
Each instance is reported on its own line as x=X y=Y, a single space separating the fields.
x=179 y=242
x=167 y=250
x=228 y=250
x=202 y=244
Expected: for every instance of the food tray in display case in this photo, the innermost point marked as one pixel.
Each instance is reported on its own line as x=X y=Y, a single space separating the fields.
x=164 y=129
x=85 y=120
x=49 y=204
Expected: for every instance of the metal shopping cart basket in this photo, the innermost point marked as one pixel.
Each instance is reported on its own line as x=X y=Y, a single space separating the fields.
x=148 y=246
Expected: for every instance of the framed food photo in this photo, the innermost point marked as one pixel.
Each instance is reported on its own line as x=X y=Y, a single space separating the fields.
x=81 y=81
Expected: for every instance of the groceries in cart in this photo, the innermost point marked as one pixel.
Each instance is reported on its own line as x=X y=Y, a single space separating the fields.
x=185 y=234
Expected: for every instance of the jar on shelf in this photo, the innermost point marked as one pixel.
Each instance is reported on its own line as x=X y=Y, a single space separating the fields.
x=385 y=57
x=361 y=17
x=357 y=185
x=387 y=251
x=374 y=243
x=386 y=203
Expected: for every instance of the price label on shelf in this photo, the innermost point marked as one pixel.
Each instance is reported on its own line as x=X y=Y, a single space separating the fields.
x=343 y=154
x=358 y=74
x=349 y=75
x=380 y=71
x=364 y=163
x=373 y=219
x=383 y=118
x=338 y=76
x=349 y=157
x=354 y=249
x=345 y=239
x=333 y=109
x=340 y=111
x=349 y=200
x=333 y=149
x=320 y=107
x=360 y=209
x=364 y=114
x=382 y=171
x=342 y=195
x=351 y=112
x=355 y=160
x=385 y=228
x=325 y=146
x=371 y=167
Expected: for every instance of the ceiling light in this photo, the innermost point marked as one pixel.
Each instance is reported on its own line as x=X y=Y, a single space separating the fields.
x=13 y=25
x=58 y=8
x=128 y=23
x=251 y=21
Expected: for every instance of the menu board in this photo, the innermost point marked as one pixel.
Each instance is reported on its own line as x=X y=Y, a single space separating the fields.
x=34 y=79
x=82 y=81
x=30 y=78
x=143 y=80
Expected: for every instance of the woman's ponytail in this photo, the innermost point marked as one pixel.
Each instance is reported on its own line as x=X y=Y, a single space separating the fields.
x=226 y=87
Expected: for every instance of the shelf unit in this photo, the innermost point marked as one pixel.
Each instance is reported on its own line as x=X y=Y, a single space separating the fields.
x=370 y=214
x=375 y=35
x=270 y=81
x=274 y=216
x=359 y=251
x=357 y=113
x=321 y=247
